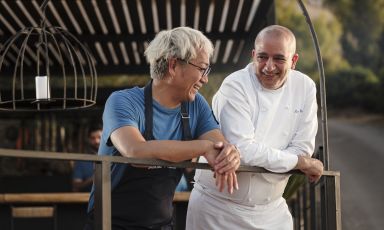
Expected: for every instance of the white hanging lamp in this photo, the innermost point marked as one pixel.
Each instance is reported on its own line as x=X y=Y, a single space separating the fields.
x=72 y=86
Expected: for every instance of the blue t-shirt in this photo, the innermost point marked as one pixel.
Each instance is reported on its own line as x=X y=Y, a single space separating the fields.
x=83 y=170
x=126 y=108
x=182 y=186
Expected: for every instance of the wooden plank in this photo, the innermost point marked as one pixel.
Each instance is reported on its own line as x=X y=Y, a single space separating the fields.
x=32 y=212
x=13 y=198
x=181 y=197
x=44 y=198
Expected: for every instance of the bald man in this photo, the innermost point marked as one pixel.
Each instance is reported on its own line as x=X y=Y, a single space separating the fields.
x=268 y=111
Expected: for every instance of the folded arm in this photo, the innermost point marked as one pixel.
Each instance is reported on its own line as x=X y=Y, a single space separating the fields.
x=130 y=143
x=223 y=157
x=235 y=116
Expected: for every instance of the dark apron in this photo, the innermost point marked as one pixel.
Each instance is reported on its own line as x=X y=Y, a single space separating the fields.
x=143 y=198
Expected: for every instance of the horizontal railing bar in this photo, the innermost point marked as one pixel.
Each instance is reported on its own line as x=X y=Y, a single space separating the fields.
x=63 y=197
x=131 y=160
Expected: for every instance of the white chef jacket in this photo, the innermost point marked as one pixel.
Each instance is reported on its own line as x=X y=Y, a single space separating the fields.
x=269 y=127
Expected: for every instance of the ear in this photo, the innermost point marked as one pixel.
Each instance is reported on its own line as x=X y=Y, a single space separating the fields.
x=254 y=54
x=172 y=66
x=295 y=58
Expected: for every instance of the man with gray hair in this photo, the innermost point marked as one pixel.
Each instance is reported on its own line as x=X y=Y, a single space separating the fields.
x=167 y=119
x=268 y=110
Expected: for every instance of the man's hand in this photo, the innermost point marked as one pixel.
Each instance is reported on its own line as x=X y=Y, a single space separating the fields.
x=225 y=165
x=228 y=160
x=212 y=153
x=311 y=167
x=229 y=179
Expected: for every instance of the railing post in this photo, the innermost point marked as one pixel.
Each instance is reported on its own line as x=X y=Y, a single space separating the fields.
x=314 y=206
x=333 y=202
x=305 y=206
x=102 y=216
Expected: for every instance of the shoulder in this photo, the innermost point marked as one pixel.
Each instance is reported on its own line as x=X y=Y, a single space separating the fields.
x=301 y=84
x=238 y=77
x=200 y=102
x=122 y=98
x=237 y=82
x=123 y=107
x=300 y=78
x=199 y=98
x=127 y=94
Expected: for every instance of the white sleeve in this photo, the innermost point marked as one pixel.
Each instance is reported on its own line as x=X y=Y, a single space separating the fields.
x=303 y=141
x=232 y=109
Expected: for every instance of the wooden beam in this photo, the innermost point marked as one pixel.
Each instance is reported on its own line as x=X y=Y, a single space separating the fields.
x=69 y=197
x=44 y=198
x=32 y=212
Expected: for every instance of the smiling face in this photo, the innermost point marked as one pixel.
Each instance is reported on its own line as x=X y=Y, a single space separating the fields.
x=190 y=77
x=273 y=56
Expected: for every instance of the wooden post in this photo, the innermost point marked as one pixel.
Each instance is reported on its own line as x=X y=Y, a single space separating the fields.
x=102 y=198
x=333 y=202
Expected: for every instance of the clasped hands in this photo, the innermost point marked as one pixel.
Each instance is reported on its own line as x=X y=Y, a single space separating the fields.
x=225 y=160
x=311 y=167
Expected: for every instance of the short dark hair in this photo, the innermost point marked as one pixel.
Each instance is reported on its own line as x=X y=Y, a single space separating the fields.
x=94 y=127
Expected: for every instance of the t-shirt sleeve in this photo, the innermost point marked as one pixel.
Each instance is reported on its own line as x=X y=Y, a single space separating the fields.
x=119 y=111
x=206 y=121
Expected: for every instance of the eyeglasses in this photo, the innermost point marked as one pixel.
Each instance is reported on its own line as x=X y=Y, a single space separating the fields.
x=204 y=71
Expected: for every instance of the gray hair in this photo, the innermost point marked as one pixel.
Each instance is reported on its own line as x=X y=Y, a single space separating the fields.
x=180 y=42
x=279 y=32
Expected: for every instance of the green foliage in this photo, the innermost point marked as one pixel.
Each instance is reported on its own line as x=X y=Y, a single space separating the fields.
x=328 y=30
x=122 y=81
x=363 y=30
x=350 y=33
x=380 y=95
x=355 y=87
x=346 y=35
x=294 y=182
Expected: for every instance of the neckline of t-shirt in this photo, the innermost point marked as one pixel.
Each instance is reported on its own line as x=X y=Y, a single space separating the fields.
x=157 y=105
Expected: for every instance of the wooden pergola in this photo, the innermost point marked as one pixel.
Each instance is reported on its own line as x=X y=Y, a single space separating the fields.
x=117 y=32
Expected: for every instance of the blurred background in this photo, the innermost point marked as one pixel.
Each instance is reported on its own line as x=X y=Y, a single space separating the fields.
x=351 y=37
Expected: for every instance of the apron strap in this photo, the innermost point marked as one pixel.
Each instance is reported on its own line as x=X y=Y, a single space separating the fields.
x=185 y=121
x=148 y=110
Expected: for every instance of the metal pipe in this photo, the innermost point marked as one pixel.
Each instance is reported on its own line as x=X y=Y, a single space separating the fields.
x=323 y=104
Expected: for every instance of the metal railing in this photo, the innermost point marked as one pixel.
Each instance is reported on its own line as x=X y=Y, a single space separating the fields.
x=317 y=206
x=324 y=196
